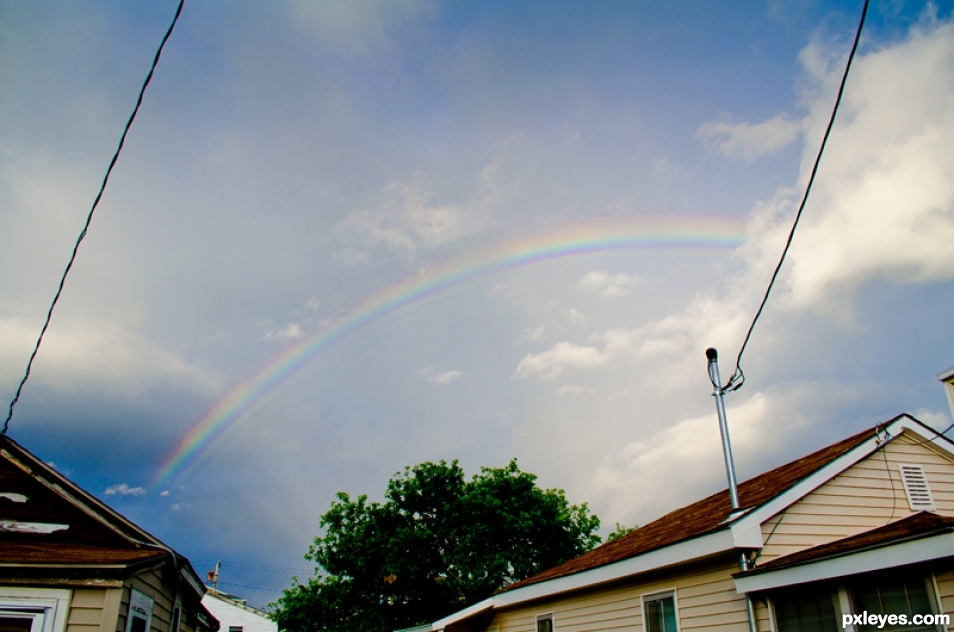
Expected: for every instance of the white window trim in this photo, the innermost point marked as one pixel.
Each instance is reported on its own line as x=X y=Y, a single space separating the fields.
x=54 y=602
x=545 y=615
x=129 y=610
x=659 y=594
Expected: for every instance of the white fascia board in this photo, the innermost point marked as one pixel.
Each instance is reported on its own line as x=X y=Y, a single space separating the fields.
x=192 y=580
x=946 y=374
x=703 y=547
x=679 y=553
x=470 y=611
x=901 y=554
x=747 y=529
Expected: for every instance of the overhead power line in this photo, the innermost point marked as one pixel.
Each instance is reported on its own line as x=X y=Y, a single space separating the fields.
x=737 y=379
x=89 y=218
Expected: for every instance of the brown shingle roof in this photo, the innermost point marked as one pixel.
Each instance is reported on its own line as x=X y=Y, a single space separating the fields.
x=701 y=517
x=919 y=525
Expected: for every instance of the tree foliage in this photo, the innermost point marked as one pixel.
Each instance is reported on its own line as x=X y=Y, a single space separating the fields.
x=438 y=543
x=620 y=531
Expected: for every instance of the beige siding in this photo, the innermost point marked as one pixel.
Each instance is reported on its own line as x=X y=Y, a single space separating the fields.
x=93 y=610
x=149 y=583
x=869 y=494
x=945 y=589
x=705 y=598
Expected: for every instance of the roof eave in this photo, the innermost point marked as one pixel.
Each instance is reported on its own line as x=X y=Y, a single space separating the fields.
x=890 y=555
x=747 y=529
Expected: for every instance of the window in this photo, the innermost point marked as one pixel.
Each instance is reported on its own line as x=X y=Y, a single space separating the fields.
x=545 y=622
x=894 y=592
x=140 y=612
x=33 y=609
x=659 y=612
x=9 y=622
x=806 y=608
x=235 y=628
x=819 y=607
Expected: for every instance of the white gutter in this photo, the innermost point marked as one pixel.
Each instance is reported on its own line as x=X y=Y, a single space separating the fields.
x=696 y=549
x=477 y=608
x=901 y=554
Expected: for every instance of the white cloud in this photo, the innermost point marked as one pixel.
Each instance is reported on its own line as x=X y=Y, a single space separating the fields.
x=937 y=420
x=445 y=378
x=76 y=354
x=574 y=391
x=551 y=363
x=749 y=140
x=124 y=490
x=883 y=204
x=542 y=330
x=164 y=492
x=610 y=284
x=411 y=218
x=291 y=331
x=628 y=481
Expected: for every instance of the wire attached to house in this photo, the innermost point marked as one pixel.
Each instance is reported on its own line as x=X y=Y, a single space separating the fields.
x=89 y=218
x=737 y=379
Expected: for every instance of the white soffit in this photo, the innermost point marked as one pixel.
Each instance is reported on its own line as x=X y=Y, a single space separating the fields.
x=901 y=554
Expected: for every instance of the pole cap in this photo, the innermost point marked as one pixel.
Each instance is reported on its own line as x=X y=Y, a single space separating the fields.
x=712 y=354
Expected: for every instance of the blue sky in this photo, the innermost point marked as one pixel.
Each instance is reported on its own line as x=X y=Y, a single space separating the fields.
x=291 y=160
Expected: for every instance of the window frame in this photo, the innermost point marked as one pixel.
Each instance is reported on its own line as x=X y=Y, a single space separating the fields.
x=844 y=604
x=130 y=614
x=546 y=616
x=47 y=607
x=658 y=595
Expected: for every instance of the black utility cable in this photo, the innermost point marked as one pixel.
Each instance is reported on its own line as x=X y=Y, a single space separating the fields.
x=89 y=218
x=737 y=379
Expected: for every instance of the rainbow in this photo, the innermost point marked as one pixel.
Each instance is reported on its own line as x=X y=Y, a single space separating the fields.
x=576 y=239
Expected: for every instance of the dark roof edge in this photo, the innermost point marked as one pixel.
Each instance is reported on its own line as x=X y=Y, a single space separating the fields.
x=93 y=506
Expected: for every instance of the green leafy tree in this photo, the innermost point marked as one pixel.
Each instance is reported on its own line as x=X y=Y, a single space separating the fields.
x=620 y=531
x=438 y=543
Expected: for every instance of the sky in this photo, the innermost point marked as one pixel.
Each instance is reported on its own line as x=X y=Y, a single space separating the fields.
x=343 y=238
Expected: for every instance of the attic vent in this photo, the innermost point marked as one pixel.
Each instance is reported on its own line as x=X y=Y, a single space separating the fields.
x=916 y=487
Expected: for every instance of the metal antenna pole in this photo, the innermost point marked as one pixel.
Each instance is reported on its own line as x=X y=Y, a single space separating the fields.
x=719 y=392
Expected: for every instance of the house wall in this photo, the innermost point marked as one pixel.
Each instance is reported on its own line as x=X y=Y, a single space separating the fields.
x=231 y=615
x=151 y=583
x=944 y=578
x=868 y=495
x=93 y=609
x=705 y=599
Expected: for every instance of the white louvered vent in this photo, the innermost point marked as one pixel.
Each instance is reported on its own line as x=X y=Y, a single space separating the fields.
x=916 y=487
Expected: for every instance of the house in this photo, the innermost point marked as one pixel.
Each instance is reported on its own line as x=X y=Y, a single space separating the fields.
x=69 y=563
x=235 y=615
x=862 y=527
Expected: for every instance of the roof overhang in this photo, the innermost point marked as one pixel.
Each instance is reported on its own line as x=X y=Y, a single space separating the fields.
x=744 y=532
x=890 y=556
x=747 y=529
x=466 y=613
x=91 y=571
x=694 y=550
